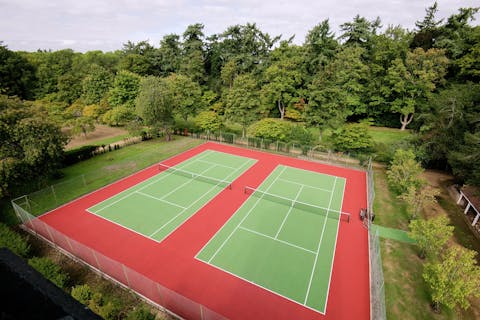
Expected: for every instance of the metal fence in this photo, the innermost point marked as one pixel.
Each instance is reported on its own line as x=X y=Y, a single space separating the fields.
x=150 y=290
x=29 y=206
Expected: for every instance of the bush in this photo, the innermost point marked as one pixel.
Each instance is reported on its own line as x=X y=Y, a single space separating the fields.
x=352 y=137
x=107 y=309
x=13 y=241
x=79 y=154
x=140 y=314
x=208 y=121
x=299 y=134
x=49 y=270
x=82 y=293
x=271 y=129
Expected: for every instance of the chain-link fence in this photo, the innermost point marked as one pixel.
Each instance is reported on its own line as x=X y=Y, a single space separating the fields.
x=148 y=289
x=377 y=283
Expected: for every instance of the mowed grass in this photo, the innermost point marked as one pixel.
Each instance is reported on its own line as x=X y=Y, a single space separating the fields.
x=406 y=294
x=96 y=172
x=388 y=135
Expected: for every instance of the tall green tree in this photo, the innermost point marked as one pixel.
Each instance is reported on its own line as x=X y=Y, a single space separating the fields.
x=242 y=102
x=453 y=280
x=187 y=95
x=359 y=32
x=412 y=81
x=96 y=84
x=154 y=104
x=125 y=89
x=427 y=29
x=193 y=57
x=283 y=78
x=404 y=171
x=17 y=74
x=431 y=236
x=320 y=47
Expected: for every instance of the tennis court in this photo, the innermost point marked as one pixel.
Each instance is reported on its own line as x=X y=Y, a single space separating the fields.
x=283 y=237
x=158 y=206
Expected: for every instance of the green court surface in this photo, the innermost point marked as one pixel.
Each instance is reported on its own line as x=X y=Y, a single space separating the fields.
x=159 y=205
x=278 y=241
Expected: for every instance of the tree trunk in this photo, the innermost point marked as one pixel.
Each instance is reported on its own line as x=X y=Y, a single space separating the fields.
x=281 y=108
x=405 y=120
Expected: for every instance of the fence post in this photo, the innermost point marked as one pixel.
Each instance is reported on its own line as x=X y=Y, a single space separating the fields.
x=83 y=179
x=54 y=194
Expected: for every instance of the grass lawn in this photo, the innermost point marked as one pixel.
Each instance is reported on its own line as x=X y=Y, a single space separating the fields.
x=91 y=174
x=388 y=135
x=406 y=294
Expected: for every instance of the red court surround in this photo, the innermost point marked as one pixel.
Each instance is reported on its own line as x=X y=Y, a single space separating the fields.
x=171 y=263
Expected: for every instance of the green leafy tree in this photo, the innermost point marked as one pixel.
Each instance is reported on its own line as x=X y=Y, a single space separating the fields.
x=404 y=171
x=431 y=235
x=283 y=77
x=419 y=197
x=118 y=116
x=359 y=32
x=32 y=145
x=81 y=125
x=208 y=121
x=154 y=104
x=125 y=89
x=167 y=58
x=413 y=81
x=427 y=29
x=453 y=280
x=96 y=84
x=192 y=59
x=320 y=47
x=17 y=74
x=187 y=95
x=242 y=102
x=50 y=270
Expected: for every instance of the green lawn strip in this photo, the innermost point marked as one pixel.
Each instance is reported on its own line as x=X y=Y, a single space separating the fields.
x=391 y=233
x=388 y=135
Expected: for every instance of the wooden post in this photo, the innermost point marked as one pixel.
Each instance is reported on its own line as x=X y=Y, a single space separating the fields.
x=466 y=209
x=460 y=198
x=476 y=219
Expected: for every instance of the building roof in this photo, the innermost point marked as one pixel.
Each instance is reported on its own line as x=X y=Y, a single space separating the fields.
x=472 y=193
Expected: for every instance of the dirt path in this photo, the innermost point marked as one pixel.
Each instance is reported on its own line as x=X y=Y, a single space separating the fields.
x=101 y=132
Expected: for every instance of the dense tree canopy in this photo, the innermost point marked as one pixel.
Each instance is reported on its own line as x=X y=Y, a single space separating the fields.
x=423 y=79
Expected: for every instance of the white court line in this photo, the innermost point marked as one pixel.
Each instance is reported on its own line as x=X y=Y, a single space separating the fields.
x=201 y=197
x=162 y=200
x=246 y=216
x=305 y=185
x=217 y=164
x=277 y=240
x=288 y=213
x=319 y=244
x=136 y=185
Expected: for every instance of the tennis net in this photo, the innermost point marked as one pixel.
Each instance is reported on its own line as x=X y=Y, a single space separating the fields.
x=195 y=176
x=329 y=213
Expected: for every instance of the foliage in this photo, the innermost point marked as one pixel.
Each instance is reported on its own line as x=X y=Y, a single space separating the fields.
x=96 y=84
x=79 y=154
x=82 y=293
x=106 y=308
x=118 y=116
x=13 y=241
x=404 y=171
x=208 y=121
x=31 y=146
x=154 y=103
x=186 y=95
x=431 y=236
x=242 y=101
x=353 y=137
x=419 y=197
x=81 y=125
x=453 y=280
x=271 y=129
x=16 y=74
x=50 y=270
x=125 y=89
x=141 y=313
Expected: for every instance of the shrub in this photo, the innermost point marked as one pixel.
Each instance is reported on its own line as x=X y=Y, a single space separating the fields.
x=77 y=155
x=49 y=270
x=82 y=293
x=13 y=241
x=271 y=129
x=140 y=314
x=208 y=121
x=352 y=137
x=299 y=134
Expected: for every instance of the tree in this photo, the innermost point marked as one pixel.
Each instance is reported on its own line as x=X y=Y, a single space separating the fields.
x=454 y=279
x=50 y=270
x=283 y=77
x=271 y=129
x=320 y=47
x=413 y=81
x=404 y=171
x=192 y=59
x=166 y=59
x=419 y=197
x=81 y=125
x=187 y=95
x=154 y=104
x=359 y=32
x=242 y=102
x=17 y=74
x=125 y=89
x=31 y=148
x=96 y=84
x=430 y=235
x=427 y=29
